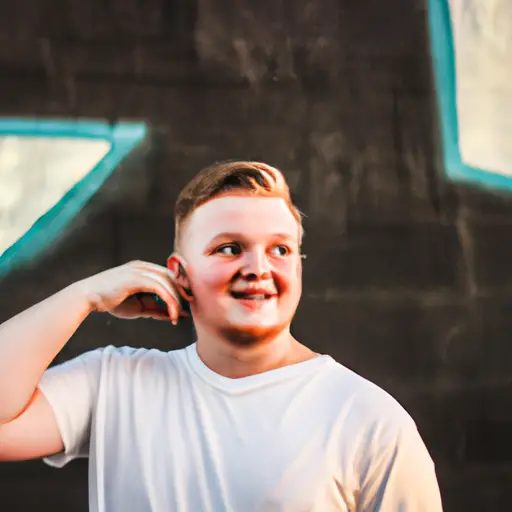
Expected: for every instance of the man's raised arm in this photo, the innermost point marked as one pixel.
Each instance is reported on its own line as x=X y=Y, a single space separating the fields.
x=30 y=341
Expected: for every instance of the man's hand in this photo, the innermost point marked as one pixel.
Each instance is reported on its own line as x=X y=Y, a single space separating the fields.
x=128 y=291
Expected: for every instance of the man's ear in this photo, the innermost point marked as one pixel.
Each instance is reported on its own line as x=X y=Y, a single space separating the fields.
x=177 y=265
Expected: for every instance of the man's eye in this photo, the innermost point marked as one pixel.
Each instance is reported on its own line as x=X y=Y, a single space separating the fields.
x=229 y=250
x=280 y=250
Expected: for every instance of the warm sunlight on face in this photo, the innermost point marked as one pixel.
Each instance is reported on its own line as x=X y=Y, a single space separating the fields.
x=244 y=266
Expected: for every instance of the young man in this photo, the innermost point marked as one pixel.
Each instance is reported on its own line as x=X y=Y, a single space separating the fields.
x=244 y=419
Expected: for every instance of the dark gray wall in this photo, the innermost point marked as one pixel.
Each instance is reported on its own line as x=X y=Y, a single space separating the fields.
x=408 y=279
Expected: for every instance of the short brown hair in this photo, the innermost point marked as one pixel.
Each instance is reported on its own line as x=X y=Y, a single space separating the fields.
x=253 y=178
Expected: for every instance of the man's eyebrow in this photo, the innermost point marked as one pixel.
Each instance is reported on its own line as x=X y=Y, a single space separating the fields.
x=284 y=236
x=220 y=236
x=242 y=236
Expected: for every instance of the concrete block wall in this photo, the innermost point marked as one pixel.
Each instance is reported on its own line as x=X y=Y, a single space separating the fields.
x=408 y=278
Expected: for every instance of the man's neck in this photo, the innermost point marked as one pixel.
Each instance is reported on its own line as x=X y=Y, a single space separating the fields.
x=236 y=362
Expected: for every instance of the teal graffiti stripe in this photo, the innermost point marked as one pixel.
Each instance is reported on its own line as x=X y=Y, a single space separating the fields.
x=443 y=55
x=123 y=137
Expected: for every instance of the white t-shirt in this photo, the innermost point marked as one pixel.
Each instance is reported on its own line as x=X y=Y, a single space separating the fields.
x=164 y=433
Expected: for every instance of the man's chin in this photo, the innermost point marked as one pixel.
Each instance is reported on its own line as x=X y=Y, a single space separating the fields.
x=246 y=335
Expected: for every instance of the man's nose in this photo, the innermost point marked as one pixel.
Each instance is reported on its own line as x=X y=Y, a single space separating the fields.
x=255 y=265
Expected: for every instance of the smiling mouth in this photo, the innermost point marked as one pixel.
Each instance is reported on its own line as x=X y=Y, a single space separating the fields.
x=252 y=296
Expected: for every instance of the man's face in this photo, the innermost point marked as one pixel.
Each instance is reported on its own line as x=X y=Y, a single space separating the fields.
x=244 y=267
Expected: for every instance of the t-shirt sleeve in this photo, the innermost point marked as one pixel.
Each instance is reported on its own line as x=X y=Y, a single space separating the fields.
x=400 y=475
x=71 y=388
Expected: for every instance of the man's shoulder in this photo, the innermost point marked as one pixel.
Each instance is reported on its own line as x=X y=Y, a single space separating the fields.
x=127 y=360
x=141 y=354
x=370 y=404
